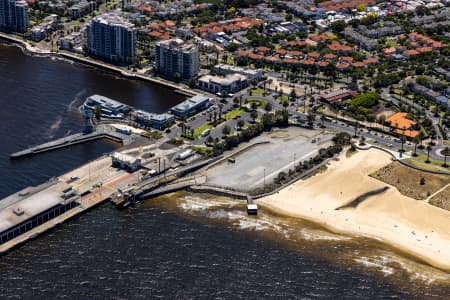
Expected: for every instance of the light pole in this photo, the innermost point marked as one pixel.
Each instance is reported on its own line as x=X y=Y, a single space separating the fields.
x=264 y=178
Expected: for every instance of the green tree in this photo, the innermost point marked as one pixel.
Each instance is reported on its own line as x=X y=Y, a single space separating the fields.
x=429 y=148
x=445 y=152
x=98 y=112
x=253 y=115
x=226 y=130
x=416 y=142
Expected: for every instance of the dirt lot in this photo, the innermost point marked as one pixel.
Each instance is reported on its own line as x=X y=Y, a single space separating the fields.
x=407 y=180
x=442 y=199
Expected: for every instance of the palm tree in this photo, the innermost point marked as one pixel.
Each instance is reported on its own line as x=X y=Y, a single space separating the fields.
x=446 y=152
x=285 y=104
x=416 y=142
x=429 y=148
x=402 y=140
x=356 y=128
x=253 y=115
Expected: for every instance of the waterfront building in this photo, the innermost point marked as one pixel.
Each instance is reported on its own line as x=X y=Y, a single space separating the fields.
x=111 y=38
x=126 y=162
x=110 y=108
x=191 y=106
x=72 y=41
x=224 y=69
x=14 y=15
x=33 y=207
x=157 y=121
x=231 y=83
x=177 y=59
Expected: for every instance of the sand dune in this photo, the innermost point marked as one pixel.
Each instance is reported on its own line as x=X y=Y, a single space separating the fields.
x=413 y=226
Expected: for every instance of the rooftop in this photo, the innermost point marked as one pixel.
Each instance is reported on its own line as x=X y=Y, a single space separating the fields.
x=112 y=19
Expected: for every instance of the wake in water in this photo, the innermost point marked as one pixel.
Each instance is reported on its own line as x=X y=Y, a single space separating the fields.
x=54 y=127
x=73 y=105
x=77 y=100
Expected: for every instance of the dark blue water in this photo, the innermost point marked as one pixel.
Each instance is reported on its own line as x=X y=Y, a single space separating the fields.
x=167 y=248
x=39 y=100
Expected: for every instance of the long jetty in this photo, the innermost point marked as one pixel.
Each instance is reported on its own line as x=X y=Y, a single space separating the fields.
x=98 y=133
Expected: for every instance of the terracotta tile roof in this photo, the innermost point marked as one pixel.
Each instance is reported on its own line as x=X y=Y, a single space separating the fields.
x=262 y=49
x=342 y=66
x=347 y=59
x=314 y=55
x=371 y=61
x=320 y=37
x=390 y=50
x=409 y=132
x=295 y=53
x=336 y=46
x=307 y=62
x=280 y=51
x=424 y=49
x=341 y=4
x=290 y=60
x=310 y=42
x=410 y=52
x=358 y=64
x=255 y=56
x=323 y=64
x=400 y=121
x=329 y=56
x=242 y=53
x=296 y=43
x=272 y=58
x=231 y=25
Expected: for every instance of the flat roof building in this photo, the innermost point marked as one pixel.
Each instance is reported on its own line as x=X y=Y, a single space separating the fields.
x=111 y=38
x=231 y=83
x=177 y=59
x=224 y=69
x=109 y=107
x=126 y=162
x=14 y=15
x=157 y=121
x=191 y=106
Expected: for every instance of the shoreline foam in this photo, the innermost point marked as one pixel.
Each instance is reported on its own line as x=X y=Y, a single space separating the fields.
x=414 y=227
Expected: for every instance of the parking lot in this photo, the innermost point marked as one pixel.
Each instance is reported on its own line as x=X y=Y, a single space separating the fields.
x=265 y=161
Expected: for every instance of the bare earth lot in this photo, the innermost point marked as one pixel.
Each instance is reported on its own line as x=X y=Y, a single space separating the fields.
x=442 y=199
x=407 y=180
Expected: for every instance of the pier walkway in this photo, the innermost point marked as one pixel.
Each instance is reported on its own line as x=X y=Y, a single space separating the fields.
x=102 y=131
x=175 y=186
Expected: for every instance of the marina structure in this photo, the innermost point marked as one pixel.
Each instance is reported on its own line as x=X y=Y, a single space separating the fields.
x=109 y=108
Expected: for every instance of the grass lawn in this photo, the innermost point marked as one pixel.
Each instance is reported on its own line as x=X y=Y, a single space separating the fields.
x=260 y=102
x=203 y=150
x=390 y=43
x=199 y=130
x=398 y=91
x=257 y=91
x=283 y=98
x=435 y=165
x=234 y=113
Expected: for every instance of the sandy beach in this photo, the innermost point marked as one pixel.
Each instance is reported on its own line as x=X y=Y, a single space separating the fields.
x=412 y=226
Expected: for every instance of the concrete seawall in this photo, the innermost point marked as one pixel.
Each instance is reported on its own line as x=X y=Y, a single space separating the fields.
x=94 y=63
